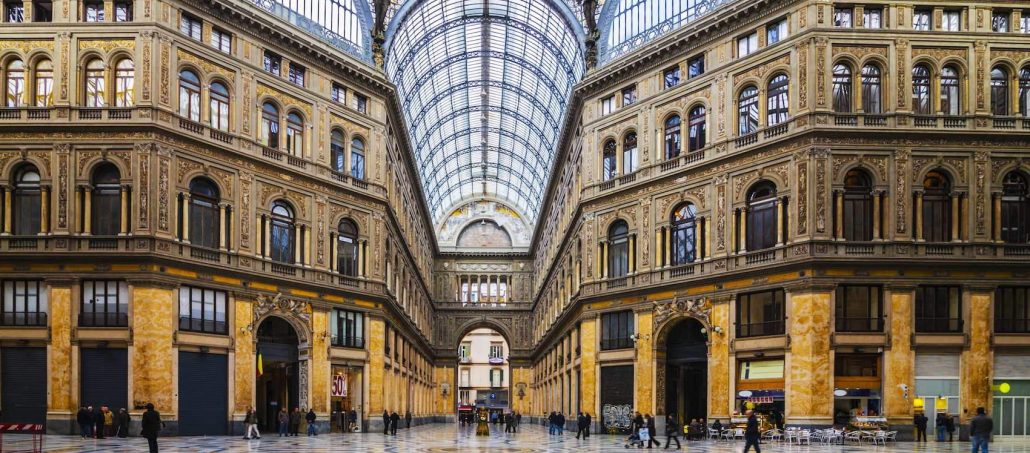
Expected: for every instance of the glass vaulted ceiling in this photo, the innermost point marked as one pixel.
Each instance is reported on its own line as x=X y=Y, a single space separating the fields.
x=484 y=85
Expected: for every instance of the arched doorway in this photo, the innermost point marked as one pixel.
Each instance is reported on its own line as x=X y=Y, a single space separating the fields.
x=279 y=370
x=483 y=375
x=686 y=370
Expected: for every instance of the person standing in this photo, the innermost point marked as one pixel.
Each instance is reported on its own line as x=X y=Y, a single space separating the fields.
x=518 y=420
x=587 y=420
x=939 y=426
x=509 y=423
x=122 y=422
x=394 y=419
x=920 y=423
x=284 y=422
x=98 y=423
x=251 y=423
x=949 y=426
x=108 y=421
x=151 y=425
x=310 y=418
x=561 y=424
x=752 y=436
x=652 y=432
x=579 y=424
x=552 y=420
x=672 y=432
x=352 y=420
x=295 y=421
x=407 y=420
x=980 y=429
x=386 y=422
x=84 y=422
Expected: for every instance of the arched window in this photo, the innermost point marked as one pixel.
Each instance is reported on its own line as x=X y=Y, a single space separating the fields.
x=25 y=201
x=858 y=206
x=697 y=133
x=107 y=200
x=336 y=151
x=189 y=95
x=672 y=137
x=951 y=99
x=921 y=104
x=608 y=165
x=1024 y=91
x=629 y=153
x=204 y=218
x=618 y=249
x=96 y=87
x=270 y=125
x=1000 y=91
x=15 y=83
x=747 y=111
x=357 y=158
x=936 y=207
x=778 y=100
x=1015 y=209
x=761 y=216
x=294 y=134
x=347 y=248
x=44 y=83
x=842 y=88
x=282 y=233
x=219 y=106
x=683 y=231
x=872 y=99
x=125 y=84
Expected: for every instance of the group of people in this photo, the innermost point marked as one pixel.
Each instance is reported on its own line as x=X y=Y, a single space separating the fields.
x=347 y=420
x=511 y=422
x=289 y=422
x=980 y=428
x=391 y=419
x=100 y=422
x=556 y=423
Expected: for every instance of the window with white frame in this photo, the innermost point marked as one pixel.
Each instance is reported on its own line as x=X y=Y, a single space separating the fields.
x=608 y=105
x=496 y=350
x=872 y=18
x=221 y=40
x=950 y=20
x=339 y=93
x=747 y=44
x=843 y=17
x=105 y=303
x=776 y=31
x=921 y=19
x=191 y=26
x=1000 y=21
x=202 y=310
x=24 y=303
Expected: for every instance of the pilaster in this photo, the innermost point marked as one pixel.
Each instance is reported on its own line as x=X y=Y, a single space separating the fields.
x=809 y=378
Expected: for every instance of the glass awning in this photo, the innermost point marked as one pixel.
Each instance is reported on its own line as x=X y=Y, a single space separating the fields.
x=484 y=86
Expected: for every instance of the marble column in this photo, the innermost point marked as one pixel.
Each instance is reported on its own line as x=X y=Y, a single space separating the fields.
x=221 y=226
x=44 y=209
x=919 y=215
x=152 y=353
x=780 y=201
x=719 y=372
x=838 y=217
x=376 y=361
x=809 y=376
x=588 y=367
x=699 y=239
x=667 y=250
x=245 y=360
x=876 y=214
x=7 y=209
x=743 y=230
x=644 y=367
x=604 y=262
x=954 y=217
x=977 y=361
x=87 y=216
x=899 y=359
x=186 y=218
x=61 y=365
x=123 y=220
x=319 y=366
x=996 y=216
x=658 y=255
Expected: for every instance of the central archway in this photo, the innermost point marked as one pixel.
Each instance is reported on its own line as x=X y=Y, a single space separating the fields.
x=685 y=352
x=279 y=380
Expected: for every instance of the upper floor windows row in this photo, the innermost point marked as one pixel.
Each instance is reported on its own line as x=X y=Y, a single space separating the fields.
x=96 y=11
x=193 y=27
x=29 y=84
x=14 y=11
x=777 y=105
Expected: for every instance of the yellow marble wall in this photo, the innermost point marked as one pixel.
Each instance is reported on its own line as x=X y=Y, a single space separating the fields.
x=59 y=358
x=977 y=362
x=719 y=363
x=443 y=404
x=153 y=327
x=319 y=362
x=899 y=360
x=644 y=364
x=245 y=367
x=523 y=375
x=588 y=367
x=809 y=377
x=376 y=359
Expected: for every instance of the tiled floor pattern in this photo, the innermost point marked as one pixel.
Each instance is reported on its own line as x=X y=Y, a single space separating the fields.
x=446 y=438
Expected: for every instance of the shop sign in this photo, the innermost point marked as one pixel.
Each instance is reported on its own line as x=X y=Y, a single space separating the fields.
x=339 y=385
x=760 y=400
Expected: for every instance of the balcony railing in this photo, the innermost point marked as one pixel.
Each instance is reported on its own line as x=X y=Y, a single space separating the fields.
x=845 y=120
x=938 y=325
x=100 y=319
x=202 y=325
x=23 y=319
x=349 y=342
x=10 y=114
x=616 y=343
x=761 y=329
x=1012 y=325
x=853 y=324
x=296 y=161
x=204 y=253
x=283 y=269
x=103 y=244
x=271 y=153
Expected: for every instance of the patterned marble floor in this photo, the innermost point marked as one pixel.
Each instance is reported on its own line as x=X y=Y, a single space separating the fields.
x=452 y=439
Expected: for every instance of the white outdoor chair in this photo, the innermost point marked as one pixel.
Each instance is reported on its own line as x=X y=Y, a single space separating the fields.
x=805 y=437
x=738 y=433
x=892 y=436
x=855 y=436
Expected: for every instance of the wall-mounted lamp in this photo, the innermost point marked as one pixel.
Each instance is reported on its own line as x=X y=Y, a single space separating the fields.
x=445 y=388
x=638 y=337
x=521 y=386
x=716 y=330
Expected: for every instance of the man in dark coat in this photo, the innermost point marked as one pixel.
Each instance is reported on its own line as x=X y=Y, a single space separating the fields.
x=295 y=421
x=752 y=436
x=980 y=429
x=352 y=420
x=151 y=423
x=949 y=426
x=509 y=423
x=311 y=418
x=98 y=423
x=579 y=424
x=407 y=420
x=586 y=422
x=920 y=421
x=652 y=432
x=386 y=422
x=85 y=419
x=394 y=419
x=672 y=432
x=518 y=420
x=561 y=423
x=122 y=422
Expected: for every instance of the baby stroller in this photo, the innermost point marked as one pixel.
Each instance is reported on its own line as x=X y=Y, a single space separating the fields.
x=638 y=438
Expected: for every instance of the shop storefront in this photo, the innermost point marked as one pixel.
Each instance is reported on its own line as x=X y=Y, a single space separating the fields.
x=346 y=398
x=857 y=388
x=937 y=387
x=1011 y=391
x=760 y=387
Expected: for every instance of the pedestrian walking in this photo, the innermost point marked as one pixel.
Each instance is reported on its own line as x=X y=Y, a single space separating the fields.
x=920 y=421
x=310 y=418
x=85 y=422
x=518 y=420
x=407 y=420
x=250 y=421
x=672 y=432
x=980 y=429
x=394 y=419
x=509 y=423
x=122 y=422
x=587 y=422
x=752 y=436
x=284 y=423
x=151 y=425
x=552 y=423
x=652 y=432
x=561 y=424
x=386 y=422
x=579 y=424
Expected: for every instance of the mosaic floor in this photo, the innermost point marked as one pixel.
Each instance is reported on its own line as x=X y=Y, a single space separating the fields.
x=450 y=438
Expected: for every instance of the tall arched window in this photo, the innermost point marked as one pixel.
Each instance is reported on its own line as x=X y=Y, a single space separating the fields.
x=219 y=113
x=921 y=103
x=858 y=206
x=25 y=207
x=1015 y=209
x=189 y=95
x=125 y=83
x=294 y=134
x=761 y=216
x=747 y=111
x=107 y=200
x=672 y=137
x=629 y=153
x=1000 y=91
x=872 y=98
x=683 y=231
x=44 y=83
x=842 y=88
x=337 y=151
x=697 y=132
x=951 y=99
x=96 y=87
x=608 y=163
x=282 y=233
x=936 y=207
x=618 y=249
x=347 y=248
x=778 y=100
x=270 y=125
x=1024 y=91
x=204 y=217
x=15 y=83
x=357 y=158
